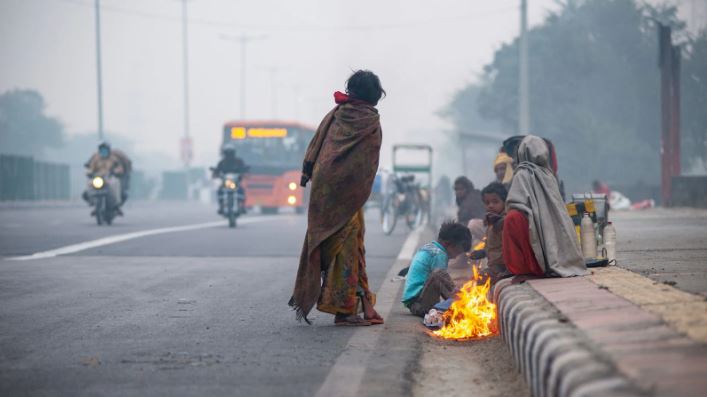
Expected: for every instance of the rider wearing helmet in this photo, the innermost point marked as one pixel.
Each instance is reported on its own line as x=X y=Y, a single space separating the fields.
x=105 y=161
x=109 y=161
x=230 y=163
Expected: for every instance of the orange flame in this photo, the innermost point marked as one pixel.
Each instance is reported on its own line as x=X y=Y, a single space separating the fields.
x=471 y=315
x=481 y=245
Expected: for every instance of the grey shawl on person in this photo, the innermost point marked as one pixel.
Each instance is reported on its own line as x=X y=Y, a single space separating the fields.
x=535 y=192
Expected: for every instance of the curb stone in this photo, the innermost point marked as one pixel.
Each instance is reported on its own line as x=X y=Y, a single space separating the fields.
x=553 y=356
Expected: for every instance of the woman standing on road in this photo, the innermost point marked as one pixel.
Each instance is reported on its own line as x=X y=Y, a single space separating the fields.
x=341 y=161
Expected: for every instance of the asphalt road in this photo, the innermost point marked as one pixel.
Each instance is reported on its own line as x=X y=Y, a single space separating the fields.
x=202 y=311
x=197 y=312
x=666 y=245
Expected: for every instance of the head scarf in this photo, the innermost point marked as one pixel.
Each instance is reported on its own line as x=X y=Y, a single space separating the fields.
x=535 y=192
x=503 y=158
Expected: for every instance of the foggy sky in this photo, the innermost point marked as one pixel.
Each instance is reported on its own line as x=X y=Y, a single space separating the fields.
x=422 y=51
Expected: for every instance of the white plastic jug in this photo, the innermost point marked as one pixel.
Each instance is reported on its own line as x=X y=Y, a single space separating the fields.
x=588 y=237
x=610 y=243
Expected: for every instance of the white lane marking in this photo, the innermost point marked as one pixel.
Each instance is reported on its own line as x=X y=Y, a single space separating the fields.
x=70 y=249
x=410 y=245
x=345 y=377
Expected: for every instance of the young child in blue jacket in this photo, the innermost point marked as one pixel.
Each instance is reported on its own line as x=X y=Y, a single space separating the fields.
x=427 y=280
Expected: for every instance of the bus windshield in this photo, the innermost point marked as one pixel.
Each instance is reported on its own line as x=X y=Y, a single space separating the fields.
x=269 y=147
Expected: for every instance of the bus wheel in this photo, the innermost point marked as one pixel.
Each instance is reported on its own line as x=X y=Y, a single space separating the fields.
x=270 y=210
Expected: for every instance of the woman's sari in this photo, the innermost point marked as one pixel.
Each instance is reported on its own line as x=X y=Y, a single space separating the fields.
x=341 y=161
x=345 y=279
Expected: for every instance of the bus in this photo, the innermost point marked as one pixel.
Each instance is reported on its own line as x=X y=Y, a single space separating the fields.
x=274 y=150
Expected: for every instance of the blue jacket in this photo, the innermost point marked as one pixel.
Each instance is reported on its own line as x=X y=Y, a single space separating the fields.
x=430 y=257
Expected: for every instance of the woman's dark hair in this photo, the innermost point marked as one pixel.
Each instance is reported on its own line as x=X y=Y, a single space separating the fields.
x=366 y=86
x=456 y=234
x=496 y=188
x=464 y=181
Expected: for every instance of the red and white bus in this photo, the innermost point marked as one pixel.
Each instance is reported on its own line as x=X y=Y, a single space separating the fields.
x=274 y=150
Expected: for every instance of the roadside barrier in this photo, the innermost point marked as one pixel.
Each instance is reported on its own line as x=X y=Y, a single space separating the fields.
x=555 y=358
x=23 y=178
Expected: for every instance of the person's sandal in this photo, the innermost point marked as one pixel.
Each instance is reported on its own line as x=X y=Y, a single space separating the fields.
x=352 y=321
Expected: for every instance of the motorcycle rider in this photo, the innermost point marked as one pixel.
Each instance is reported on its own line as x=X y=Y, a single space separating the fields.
x=230 y=163
x=108 y=161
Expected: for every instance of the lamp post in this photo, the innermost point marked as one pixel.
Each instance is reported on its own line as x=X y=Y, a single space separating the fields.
x=243 y=40
x=186 y=143
x=185 y=67
x=273 y=91
x=99 y=77
x=523 y=106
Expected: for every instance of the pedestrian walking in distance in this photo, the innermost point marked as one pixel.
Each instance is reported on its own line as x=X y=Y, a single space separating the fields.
x=341 y=162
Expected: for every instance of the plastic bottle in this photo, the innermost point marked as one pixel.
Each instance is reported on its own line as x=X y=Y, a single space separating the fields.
x=589 y=242
x=610 y=243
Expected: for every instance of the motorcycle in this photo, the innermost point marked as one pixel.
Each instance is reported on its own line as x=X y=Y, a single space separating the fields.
x=232 y=195
x=406 y=200
x=104 y=197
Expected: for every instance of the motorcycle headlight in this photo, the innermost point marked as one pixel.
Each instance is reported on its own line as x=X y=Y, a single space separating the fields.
x=229 y=184
x=97 y=182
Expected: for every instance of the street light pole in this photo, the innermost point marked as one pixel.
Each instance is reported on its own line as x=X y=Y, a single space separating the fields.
x=296 y=91
x=523 y=88
x=273 y=91
x=186 y=143
x=243 y=40
x=99 y=76
x=185 y=67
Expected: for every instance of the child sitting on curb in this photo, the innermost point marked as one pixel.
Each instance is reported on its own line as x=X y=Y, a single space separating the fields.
x=428 y=280
x=494 y=198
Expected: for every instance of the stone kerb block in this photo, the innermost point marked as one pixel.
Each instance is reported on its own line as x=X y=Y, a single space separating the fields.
x=555 y=358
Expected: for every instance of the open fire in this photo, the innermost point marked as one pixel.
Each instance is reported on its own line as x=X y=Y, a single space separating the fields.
x=471 y=315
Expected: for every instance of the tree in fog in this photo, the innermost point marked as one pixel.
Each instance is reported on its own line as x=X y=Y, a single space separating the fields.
x=24 y=128
x=464 y=113
x=595 y=90
x=694 y=104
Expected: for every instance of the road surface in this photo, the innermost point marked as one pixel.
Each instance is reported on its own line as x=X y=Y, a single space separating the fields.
x=199 y=312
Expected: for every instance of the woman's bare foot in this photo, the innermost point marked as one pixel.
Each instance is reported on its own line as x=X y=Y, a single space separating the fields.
x=350 y=320
x=370 y=314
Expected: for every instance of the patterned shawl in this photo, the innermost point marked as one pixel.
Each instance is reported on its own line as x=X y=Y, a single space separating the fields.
x=341 y=161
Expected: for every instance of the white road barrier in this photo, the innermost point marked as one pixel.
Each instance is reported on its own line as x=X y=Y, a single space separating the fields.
x=71 y=249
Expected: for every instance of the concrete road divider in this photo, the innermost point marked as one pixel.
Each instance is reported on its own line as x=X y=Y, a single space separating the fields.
x=574 y=337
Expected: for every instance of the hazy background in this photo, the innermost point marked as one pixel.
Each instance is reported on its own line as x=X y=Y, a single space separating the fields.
x=422 y=52
x=425 y=53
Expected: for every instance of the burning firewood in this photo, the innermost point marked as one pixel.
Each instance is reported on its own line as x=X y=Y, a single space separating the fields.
x=471 y=315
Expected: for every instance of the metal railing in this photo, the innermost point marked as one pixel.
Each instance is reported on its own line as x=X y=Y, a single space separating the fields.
x=23 y=178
